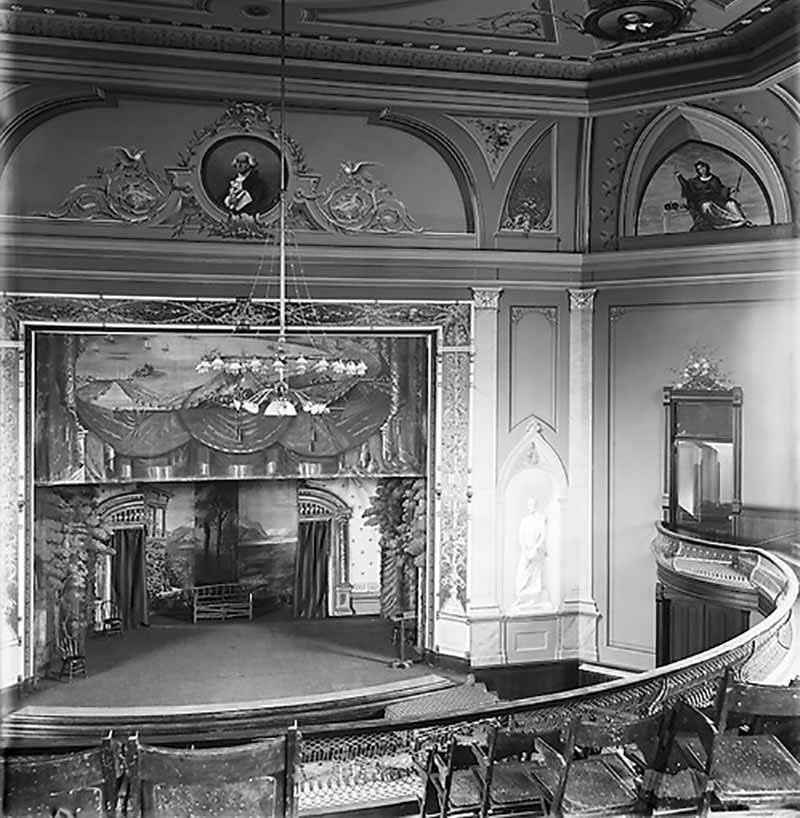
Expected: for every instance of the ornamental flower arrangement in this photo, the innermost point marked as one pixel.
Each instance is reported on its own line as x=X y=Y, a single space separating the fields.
x=701 y=371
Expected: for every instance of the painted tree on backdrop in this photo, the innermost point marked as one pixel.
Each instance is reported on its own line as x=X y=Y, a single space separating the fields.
x=216 y=507
x=398 y=510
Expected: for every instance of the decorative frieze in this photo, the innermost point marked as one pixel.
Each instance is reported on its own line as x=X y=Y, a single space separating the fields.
x=227 y=183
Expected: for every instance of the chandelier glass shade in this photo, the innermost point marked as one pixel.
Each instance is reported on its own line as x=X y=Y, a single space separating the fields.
x=281 y=383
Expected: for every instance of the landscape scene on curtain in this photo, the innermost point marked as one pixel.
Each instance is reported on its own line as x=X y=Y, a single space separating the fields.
x=122 y=406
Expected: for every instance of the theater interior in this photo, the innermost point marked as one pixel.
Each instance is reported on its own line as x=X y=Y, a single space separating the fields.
x=399 y=408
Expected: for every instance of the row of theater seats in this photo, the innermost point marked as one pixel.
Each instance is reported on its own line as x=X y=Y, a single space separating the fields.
x=609 y=763
x=129 y=779
x=742 y=754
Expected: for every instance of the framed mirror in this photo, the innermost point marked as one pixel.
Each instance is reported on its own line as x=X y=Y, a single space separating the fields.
x=702 y=477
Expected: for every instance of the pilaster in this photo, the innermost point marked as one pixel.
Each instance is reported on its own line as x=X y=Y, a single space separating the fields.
x=483 y=551
x=577 y=637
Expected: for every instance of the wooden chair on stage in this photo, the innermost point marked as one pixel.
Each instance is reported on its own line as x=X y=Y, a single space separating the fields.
x=451 y=788
x=624 y=768
x=505 y=770
x=750 y=765
x=73 y=658
x=247 y=781
x=111 y=617
x=75 y=784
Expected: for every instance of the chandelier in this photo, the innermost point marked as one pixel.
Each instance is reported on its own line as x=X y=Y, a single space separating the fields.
x=270 y=384
x=260 y=383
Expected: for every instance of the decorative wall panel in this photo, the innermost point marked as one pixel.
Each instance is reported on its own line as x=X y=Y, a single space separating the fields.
x=453 y=476
x=647 y=346
x=534 y=363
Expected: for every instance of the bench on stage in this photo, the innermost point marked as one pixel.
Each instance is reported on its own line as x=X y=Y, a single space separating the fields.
x=228 y=600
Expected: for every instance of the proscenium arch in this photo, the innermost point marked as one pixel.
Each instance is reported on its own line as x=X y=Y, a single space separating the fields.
x=649 y=151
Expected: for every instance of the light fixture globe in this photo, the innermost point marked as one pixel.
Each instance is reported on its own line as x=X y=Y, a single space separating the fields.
x=635 y=20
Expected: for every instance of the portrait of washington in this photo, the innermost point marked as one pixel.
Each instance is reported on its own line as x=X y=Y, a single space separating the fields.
x=241 y=176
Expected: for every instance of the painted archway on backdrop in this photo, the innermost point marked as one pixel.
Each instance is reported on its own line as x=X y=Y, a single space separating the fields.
x=318 y=505
x=121 y=576
x=532 y=495
x=682 y=124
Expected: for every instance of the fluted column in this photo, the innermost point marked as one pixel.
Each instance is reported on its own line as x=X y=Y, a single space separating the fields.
x=483 y=551
x=578 y=633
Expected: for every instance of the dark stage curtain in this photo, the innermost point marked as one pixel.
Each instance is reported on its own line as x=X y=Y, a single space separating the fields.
x=311 y=578
x=128 y=576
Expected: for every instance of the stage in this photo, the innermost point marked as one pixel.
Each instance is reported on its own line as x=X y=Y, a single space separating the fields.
x=176 y=681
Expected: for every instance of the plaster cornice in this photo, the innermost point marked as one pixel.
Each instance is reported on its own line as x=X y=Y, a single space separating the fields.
x=183 y=266
x=177 y=58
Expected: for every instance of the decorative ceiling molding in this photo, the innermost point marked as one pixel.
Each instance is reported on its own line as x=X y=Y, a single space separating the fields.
x=742 y=41
x=495 y=137
x=527 y=24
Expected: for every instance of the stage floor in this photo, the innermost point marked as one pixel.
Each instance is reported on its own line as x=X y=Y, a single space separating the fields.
x=270 y=657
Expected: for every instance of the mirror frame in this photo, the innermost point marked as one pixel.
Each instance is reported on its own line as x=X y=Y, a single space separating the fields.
x=672 y=398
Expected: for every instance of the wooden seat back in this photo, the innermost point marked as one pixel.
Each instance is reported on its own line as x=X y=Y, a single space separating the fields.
x=248 y=781
x=70 y=642
x=506 y=784
x=83 y=783
x=758 y=704
x=599 y=730
x=442 y=769
x=686 y=720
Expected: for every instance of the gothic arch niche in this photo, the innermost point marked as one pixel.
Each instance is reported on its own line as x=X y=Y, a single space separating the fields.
x=532 y=472
x=712 y=136
x=315 y=503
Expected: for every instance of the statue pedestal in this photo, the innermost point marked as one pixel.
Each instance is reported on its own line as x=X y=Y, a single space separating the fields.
x=578 y=630
x=530 y=636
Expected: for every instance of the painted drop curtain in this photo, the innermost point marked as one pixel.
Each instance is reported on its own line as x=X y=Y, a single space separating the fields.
x=311 y=577
x=128 y=577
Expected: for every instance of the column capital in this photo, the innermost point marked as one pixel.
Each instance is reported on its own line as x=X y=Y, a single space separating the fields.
x=582 y=299
x=486 y=298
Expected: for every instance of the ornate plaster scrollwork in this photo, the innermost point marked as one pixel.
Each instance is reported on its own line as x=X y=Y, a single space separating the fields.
x=582 y=299
x=486 y=298
x=495 y=137
x=356 y=202
x=227 y=183
x=128 y=191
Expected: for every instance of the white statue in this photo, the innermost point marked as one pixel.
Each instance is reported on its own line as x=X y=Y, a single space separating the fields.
x=532 y=540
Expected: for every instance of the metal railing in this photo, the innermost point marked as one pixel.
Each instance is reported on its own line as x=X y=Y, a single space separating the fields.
x=378 y=761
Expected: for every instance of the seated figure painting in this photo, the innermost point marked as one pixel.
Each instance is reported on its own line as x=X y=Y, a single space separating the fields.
x=700 y=187
x=711 y=204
